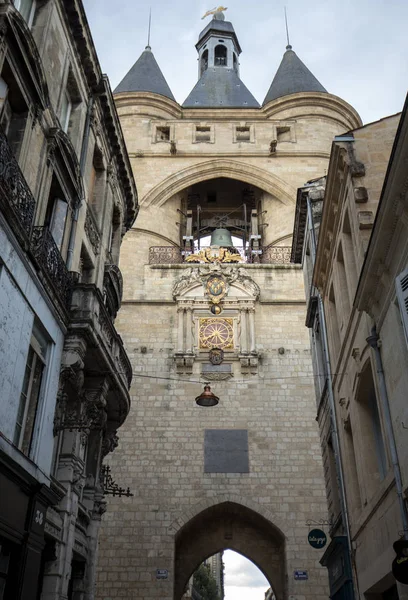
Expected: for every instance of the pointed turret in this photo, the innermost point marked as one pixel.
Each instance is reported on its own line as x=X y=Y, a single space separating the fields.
x=145 y=76
x=291 y=77
x=219 y=84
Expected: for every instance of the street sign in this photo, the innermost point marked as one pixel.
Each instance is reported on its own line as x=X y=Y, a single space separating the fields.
x=162 y=574
x=317 y=538
x=300 y=575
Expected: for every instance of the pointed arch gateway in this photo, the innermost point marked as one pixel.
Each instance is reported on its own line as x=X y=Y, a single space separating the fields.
x=234 y=526
x=211 y=169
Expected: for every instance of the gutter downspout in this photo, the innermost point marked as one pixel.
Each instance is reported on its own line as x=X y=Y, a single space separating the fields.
x=373 y=340
x=332 y=408
x=84 y=149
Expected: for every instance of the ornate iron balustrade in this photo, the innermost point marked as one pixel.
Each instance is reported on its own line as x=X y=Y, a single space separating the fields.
x=16 y=199
x=51 y=263
x=165 y=255
x=271 y=255
x=276 y=255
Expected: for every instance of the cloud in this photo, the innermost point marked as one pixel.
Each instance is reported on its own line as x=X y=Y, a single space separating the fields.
x=242 y=574
x=356 y=50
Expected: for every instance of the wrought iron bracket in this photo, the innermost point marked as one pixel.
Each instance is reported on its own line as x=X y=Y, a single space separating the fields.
x=322 y=522
x=110 y=487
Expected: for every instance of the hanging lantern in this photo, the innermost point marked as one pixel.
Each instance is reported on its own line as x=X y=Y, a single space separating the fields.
x=207 y=398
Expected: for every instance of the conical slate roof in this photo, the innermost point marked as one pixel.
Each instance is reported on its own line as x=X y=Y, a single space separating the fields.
x=145 y=76
x=291 y=77
x=220 y=87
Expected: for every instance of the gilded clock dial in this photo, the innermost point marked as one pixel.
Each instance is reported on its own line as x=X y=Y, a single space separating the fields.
x=216 y=333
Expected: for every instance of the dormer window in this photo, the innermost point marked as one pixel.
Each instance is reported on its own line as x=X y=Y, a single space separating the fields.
x=235 y=63
x=204 y=62
x=220 y=56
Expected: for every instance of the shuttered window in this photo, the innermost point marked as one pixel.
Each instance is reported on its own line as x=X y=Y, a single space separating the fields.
x=402 y=295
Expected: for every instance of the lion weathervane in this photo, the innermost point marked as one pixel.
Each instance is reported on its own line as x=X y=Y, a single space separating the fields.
x=214 y=11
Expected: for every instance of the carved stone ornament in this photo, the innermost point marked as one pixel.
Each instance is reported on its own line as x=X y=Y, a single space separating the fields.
x=230 y=274
x=216 y=356
x=215 y=255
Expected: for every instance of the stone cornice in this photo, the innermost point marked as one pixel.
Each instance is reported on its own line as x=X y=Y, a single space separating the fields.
x=338 y=168
x=381 y=262
x=303 y=100
x=124 y=99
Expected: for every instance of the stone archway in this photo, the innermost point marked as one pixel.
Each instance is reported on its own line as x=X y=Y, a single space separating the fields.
x=212 y=169
x=229 y=525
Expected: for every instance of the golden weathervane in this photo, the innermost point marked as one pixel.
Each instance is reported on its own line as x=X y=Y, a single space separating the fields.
x=214 y=11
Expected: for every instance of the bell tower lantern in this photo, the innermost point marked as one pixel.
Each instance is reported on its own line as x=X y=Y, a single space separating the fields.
x=218 y=46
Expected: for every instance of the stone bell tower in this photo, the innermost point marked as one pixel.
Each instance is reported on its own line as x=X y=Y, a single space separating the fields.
x=226 y=308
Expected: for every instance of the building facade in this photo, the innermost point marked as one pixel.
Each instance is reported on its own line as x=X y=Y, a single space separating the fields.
x=358 y=281
x=245 y=474
x=67 y=195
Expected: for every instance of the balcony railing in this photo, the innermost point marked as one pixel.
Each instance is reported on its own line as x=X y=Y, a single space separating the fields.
x=16 y=199
x=270 y=255
x=88 y=307
x=49 y=260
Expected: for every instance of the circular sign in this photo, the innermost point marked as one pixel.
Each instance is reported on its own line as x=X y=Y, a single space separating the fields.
x=400 y=563
x=317 y=538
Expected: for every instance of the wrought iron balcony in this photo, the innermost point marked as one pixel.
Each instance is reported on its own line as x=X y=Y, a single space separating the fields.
x=89 y=311
x=50 y=262
x=16 y=199
x=270 y=255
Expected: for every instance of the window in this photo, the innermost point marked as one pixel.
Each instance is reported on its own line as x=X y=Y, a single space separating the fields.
x=202 y=133
x=243 y=134
x=283 y=134
x=31 y=391
x=15 y=110
x=220 y=56
x=235 y=63
x=372 y=449
x=162 y=134
x=27 y=10
x=70 y=111
x=65 y=111
x=204 y=62
x=58 y=216
x=402 y=295
x=96 y=190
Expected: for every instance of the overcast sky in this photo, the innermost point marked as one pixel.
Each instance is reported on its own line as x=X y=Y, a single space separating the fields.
x=357 y=50
x=243 y=580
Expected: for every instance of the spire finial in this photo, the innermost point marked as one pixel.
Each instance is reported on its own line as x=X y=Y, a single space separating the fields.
x=148 y=31
x=288 y=47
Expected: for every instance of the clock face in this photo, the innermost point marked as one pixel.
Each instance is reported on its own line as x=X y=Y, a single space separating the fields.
x=216 y=333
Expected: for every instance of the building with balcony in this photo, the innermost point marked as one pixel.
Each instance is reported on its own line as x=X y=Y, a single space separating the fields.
x=356 y=288
x=67 y=196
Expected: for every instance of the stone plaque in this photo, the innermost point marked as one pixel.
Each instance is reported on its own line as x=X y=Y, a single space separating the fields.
x=226 y=451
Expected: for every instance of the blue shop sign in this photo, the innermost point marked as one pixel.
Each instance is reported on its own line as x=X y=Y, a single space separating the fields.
x=317 y=538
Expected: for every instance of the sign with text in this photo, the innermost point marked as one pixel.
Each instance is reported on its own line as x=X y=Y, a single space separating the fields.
x=300 y=575
x=162 y=574
x=317 y=538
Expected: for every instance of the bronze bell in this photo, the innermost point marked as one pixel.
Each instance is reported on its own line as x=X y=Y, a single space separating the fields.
x=221 y=237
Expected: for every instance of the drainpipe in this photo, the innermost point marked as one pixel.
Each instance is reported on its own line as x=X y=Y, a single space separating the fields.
x=372 y=340
x=332 y=409
x=84 y=149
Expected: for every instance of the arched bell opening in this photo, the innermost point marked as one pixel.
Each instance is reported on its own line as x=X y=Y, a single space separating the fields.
x=230 y=526
x=220 y=56
x=223 y=212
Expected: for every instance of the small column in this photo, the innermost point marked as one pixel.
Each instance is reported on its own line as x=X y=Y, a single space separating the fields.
x=189 y=332
x=244 y=335
x=180 y=331
x=251 y=315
